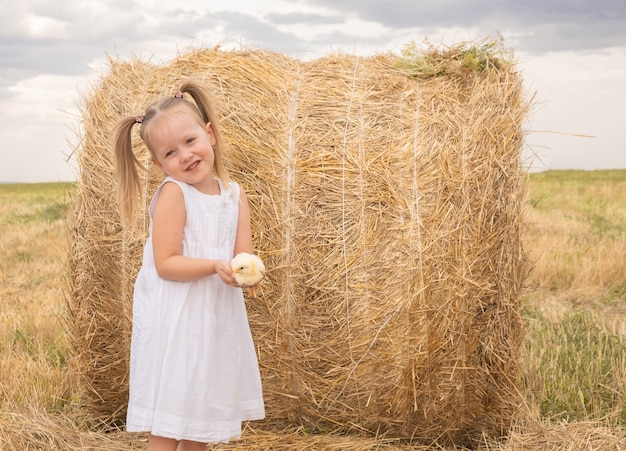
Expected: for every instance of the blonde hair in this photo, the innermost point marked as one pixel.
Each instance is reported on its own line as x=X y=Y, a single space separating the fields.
x=127 y=166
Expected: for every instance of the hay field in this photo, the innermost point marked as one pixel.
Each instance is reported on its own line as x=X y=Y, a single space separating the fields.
x=574 y=309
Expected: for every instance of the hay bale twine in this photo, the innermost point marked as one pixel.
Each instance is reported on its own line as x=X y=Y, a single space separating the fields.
x=388 y=211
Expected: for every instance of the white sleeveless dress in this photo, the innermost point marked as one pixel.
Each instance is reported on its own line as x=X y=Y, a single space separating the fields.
x=194 y=373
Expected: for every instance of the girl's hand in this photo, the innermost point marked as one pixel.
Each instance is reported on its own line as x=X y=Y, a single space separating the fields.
x=223 y=269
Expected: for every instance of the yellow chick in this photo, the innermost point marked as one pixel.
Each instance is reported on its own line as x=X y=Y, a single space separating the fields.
x=248 y=270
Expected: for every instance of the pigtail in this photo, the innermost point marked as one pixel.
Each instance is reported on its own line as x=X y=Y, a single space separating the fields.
x=205 y=106
x=126 y=167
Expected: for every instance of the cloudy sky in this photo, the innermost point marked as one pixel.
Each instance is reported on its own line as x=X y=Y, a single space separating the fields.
x=572 y=53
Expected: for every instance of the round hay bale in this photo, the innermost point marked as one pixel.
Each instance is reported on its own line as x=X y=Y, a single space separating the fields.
x=388 y=210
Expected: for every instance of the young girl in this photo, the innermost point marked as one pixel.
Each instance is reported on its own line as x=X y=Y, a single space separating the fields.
x=194 y=375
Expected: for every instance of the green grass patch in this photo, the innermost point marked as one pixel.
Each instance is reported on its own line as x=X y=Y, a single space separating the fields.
x=26 y=203
x=575 y=370
x=593 y=199
x=577 y=177
x=577 y=190
x=428 y=61
x=24 y=340
x=38 y=190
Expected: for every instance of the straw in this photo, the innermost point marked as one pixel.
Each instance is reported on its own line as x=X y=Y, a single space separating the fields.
x=388 y=212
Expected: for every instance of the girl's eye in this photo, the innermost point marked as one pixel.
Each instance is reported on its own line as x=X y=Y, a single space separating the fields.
x=169 y=153
x=190 y=140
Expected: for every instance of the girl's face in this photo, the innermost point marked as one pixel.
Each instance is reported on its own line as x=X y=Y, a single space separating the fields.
x=183 y=149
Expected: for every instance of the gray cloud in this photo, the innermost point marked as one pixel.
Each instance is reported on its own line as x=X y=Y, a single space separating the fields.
x=86 y=30
x=62 y=38
x=552 y=25
x=301 y=18
x=77 y=37
x=260 y=32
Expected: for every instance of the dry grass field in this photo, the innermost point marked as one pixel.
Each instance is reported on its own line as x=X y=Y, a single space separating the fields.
x=575 y=312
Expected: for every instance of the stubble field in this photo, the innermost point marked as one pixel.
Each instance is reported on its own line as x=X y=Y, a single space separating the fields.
x=574 y=374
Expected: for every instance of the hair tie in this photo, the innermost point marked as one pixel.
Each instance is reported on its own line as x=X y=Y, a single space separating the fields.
x=178 y=94
x=138 y=119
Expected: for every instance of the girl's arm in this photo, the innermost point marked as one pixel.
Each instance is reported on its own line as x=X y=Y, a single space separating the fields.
x=168 y=222
x=243 y=242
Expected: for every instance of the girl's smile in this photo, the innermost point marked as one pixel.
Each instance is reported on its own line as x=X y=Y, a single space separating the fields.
x=193 y=165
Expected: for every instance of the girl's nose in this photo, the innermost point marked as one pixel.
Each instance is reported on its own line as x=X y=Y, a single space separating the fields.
x=186 y=154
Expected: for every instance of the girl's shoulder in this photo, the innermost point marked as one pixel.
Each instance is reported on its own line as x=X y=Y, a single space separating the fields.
x=166 y=180
x=183 y=186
